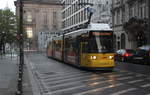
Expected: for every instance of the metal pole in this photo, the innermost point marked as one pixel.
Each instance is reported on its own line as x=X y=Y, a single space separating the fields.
x=20 y=32
x=148 y=22
x=21 y=47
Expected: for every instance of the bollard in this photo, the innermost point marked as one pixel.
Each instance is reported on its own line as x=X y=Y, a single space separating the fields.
x=18 y=93
x=20 y=80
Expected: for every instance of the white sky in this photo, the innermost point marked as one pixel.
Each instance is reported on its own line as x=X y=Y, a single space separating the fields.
x=9 y=3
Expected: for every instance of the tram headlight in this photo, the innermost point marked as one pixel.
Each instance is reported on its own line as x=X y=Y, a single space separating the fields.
x=93 y=57
x=110 y=57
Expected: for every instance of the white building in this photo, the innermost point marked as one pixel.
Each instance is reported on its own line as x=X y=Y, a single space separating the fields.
x=44 y=37
x=102 y=11
x=76 y=13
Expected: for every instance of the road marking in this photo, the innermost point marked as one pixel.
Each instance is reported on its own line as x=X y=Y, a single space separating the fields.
x=134 y=81
x=54 y=82
x=80 y=77
x=124 y=91
x=60 y=75
x=140 y=75
x=119 y=75
x=65 y=84
x=146 y=85
x=71 y=88
x=130 y=73
x=64 y=77
x=44 y=84
x=124 y=78
x=148 y=78
x=99 y=89
x=34 y=84
x=123 y=71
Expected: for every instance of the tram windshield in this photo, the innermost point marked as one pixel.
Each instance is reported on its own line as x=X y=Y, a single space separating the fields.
x=101 y=42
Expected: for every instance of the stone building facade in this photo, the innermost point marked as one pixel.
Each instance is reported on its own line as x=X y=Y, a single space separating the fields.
x=125 y=12
x=40 y=16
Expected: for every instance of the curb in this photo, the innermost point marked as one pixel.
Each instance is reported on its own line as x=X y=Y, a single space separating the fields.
x=36 y=89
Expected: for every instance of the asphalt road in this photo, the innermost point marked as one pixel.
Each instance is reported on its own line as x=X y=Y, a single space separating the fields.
x=56 y=78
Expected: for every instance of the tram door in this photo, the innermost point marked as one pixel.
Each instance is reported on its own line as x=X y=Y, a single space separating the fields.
x=78 y=49
x=83 y=51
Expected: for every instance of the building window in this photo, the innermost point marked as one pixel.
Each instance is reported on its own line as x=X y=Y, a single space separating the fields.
x=131 y=12
x=142 y=10
x=54 y=16
x=123 y=42
x=55 y=20
x=118 y=19
x=29 y=17
x=29 y=32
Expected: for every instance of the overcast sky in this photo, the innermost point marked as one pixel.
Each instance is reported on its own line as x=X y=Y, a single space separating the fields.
x=9 y=3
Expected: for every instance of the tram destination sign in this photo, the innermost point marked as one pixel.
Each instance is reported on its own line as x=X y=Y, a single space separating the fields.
x=101 y=34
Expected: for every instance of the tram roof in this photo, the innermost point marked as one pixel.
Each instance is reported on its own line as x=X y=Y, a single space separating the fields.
x=92 y=27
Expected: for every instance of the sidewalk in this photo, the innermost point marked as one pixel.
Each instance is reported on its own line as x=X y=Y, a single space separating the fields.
x=9 y=76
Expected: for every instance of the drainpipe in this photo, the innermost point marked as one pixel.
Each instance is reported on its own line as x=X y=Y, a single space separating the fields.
x=148 y=32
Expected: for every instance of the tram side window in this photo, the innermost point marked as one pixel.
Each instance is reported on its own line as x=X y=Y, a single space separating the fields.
x=67 y=43
x=57 y=45
x=70 y=44
x=49 y=45
x=74 y=45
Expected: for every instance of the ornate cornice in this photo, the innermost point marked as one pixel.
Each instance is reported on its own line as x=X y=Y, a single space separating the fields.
x=45 y=2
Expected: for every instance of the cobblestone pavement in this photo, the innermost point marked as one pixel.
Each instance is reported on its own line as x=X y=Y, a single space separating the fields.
x=56 y=78
x=8 y=75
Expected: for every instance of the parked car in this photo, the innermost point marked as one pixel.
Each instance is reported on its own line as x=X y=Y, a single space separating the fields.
x=147 y=49
x=124 y=55
x=142 y=55
x=139 y=56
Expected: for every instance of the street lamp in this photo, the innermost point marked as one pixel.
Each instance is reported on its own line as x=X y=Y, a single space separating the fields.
x=21 y=46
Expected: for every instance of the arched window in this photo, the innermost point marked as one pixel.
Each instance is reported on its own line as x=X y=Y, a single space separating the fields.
x=123 y=41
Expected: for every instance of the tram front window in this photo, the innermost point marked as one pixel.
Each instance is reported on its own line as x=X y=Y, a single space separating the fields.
x=99 y=43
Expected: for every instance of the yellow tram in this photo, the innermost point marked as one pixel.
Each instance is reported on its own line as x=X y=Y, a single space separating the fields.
x=90 y=48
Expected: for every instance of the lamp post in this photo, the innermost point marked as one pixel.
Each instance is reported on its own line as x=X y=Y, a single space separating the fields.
x=20 y=32
x=21 y=47
x=148 y=22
